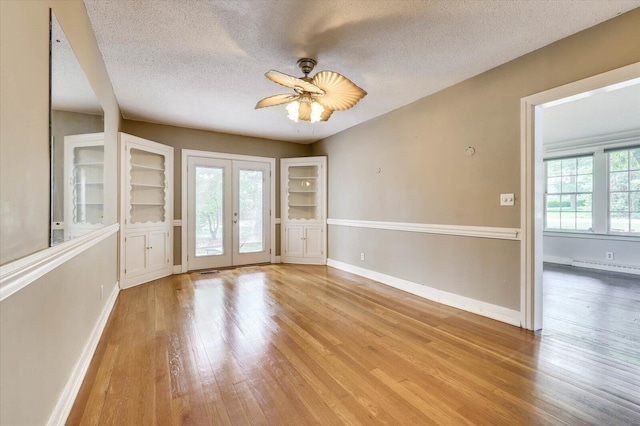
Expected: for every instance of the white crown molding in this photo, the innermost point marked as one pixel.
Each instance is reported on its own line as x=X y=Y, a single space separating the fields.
x=72 y=387
x=17 y=275
x=479 y=307
x=613 y=140
x=459 y=230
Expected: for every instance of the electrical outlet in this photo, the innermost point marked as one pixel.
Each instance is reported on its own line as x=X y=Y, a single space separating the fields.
x=361 y=256
x=101 y=291
x=609 y=255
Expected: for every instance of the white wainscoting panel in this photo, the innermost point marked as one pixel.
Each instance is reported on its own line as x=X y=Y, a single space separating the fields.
x=460 y=230
x=479 y=307
x=71 y=389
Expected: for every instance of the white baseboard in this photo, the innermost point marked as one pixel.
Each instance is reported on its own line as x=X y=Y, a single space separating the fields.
x=557 y=259
x=71 y=389
x=278 y=259
x=485 y=309
x=177 y=269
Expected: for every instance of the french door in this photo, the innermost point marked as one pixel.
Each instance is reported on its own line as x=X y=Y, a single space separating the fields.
x=228 y=212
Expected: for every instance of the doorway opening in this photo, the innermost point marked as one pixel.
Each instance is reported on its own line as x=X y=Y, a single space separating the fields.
x=533 y=184
x=227 y=206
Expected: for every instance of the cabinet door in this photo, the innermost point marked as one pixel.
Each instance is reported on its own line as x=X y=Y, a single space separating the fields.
x=135 y=246
x=158 y=250
x=293 y=242
x=313 y=241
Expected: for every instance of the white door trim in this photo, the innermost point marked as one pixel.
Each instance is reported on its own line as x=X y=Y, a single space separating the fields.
x=531 y=213
x=185 y=154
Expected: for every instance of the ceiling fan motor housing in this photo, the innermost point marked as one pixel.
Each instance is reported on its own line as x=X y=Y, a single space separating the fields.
x=306 y=65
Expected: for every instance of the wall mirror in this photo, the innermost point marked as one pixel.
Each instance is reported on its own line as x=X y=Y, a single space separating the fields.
x=76 y=145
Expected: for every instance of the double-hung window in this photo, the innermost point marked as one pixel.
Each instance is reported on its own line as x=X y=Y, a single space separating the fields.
x=596 y=193
x=624 y=190
x=569 y=194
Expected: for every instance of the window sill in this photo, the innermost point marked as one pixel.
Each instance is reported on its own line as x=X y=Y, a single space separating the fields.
x=591 y=235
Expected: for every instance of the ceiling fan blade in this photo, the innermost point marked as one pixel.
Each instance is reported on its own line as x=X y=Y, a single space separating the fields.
x=339 y=92
x=292 y=82
x=276 y=100
x=326 y=114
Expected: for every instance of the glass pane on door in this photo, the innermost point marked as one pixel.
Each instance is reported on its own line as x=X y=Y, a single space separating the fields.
x=209 y=211
x=250 y=206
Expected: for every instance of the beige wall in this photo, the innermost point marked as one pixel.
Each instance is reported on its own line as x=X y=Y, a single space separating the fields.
x=181 y=138
x=45 y=326
x=426 y=177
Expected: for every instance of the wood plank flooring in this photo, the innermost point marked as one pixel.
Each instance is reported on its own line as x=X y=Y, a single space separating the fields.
x=303 y=345
x=594 y=310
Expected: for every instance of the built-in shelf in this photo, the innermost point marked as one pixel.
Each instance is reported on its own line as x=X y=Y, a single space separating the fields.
x=142 y=166
x=147 y=200
x=303 y=182
x=146 y=185
x=84 y=174
x=90 y=163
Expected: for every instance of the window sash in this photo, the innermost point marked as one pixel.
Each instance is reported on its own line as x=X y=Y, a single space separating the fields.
x=569 y=196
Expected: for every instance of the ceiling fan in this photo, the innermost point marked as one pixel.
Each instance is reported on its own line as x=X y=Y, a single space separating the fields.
x=315 y=98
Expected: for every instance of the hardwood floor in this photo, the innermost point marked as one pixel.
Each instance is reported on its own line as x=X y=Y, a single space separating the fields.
x=593 y=310
x=299 y=345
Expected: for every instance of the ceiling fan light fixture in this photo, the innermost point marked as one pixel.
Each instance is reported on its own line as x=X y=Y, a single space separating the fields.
x=293 y=108
x=316 y=112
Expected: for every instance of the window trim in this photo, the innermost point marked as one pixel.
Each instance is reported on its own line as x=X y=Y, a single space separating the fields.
x=607 y=152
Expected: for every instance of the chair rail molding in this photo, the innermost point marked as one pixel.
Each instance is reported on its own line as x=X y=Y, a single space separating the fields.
x=458 y=230
x=17 y=275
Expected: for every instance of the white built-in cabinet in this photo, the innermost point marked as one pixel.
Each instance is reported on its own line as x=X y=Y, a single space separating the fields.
x=147 y=210
x=84 y=181
x=304 y=210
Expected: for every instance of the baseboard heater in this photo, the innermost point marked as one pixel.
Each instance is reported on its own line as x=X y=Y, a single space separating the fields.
x=613 y=267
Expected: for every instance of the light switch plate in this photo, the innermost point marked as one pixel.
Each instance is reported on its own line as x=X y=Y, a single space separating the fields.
x=507 y=199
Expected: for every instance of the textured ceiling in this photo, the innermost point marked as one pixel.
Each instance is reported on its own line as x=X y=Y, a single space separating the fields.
x=201 y=64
